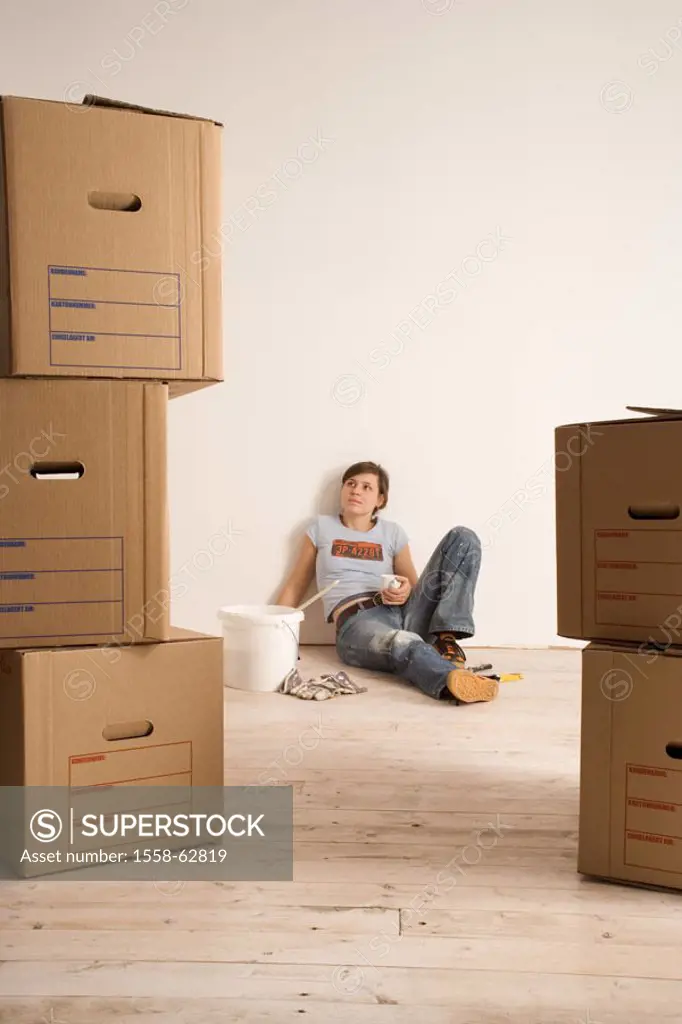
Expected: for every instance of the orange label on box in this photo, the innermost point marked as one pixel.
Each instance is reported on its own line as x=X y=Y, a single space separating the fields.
x=154 y=765
x=645 y=837
x=637 y=577
x=651 y=823
x=652 y=805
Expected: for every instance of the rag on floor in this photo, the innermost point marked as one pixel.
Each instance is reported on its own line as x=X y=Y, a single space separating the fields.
x=325 y=688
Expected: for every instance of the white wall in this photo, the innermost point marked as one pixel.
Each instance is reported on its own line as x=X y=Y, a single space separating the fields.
x=446 y=123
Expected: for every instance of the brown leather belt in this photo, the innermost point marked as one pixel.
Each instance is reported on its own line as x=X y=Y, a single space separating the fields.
x=353 y=609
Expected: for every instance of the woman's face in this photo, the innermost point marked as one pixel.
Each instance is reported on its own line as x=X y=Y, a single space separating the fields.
x=360 y=494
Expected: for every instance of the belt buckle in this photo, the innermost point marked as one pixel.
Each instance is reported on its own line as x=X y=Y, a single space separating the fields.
x=376 y=600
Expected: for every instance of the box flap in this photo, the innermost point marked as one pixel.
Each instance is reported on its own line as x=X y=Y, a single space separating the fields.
x=596 y=743
x=12 y=718
x=5 y=291
x=176 y=634
x=653 y=411
x=91 y=100
x=568 y=520
x=638 y=648
x=156 y=525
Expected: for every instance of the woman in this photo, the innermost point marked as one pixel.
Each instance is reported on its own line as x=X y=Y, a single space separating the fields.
x=411 y=631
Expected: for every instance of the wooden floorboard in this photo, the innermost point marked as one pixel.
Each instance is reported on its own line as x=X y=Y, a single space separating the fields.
x=385 y=1010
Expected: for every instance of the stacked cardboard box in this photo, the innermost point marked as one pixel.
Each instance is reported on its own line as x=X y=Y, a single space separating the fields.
x=619 y=576
x=110 y=302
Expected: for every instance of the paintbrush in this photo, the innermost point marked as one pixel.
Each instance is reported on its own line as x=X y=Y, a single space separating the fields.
x=319 y=594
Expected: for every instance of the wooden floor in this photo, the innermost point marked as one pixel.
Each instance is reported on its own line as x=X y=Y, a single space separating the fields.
x=434 y=882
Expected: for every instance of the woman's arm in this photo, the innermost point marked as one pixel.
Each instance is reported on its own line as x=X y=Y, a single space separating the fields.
x=404 y=566
x=300 y=577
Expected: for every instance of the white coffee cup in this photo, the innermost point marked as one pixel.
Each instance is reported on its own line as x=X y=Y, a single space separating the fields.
x=389 y=582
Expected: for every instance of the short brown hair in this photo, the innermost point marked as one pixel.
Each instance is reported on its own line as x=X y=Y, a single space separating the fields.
x=378 y=471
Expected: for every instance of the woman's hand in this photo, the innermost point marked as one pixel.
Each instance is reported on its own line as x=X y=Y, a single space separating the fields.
x=397 y=595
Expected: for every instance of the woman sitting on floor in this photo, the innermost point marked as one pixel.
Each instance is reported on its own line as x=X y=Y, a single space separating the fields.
x=411 y=631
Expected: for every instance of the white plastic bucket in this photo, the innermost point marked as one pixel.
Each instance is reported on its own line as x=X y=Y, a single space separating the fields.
x=260 y=645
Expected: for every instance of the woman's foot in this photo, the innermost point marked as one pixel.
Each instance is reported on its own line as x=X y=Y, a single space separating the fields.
x=470 y=688
x=448 y=648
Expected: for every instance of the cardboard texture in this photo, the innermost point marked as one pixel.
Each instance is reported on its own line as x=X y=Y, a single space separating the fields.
x=619 y=529
x=56 y=704
x=110 y=252
x=86 y=717
x=83 y=498
x=631 y=766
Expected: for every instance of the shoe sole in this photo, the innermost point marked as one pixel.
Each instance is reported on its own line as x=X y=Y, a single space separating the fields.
x=471 y=689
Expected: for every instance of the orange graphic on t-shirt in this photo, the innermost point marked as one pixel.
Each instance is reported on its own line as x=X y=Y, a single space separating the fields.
x=357 y=549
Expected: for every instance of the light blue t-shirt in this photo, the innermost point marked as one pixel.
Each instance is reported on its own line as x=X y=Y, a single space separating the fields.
x=356 y=558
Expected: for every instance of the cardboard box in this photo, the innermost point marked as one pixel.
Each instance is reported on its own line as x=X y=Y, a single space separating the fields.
x=110 y=244
x=105 y=729
x=631 y=765
x=57 y=706
x=619 y=529
x=83 y=507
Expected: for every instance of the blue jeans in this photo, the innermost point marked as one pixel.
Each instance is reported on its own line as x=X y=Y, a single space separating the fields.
x=397 y=638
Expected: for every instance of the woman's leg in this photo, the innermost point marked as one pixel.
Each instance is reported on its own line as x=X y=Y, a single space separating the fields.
x=443 y=600
x=377 y=639
x=440 y=607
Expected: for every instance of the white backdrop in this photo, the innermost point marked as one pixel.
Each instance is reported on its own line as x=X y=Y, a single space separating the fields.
x=448 y=226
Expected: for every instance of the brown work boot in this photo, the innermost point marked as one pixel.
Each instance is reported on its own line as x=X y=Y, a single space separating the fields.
x=470 y=688
x=448 y=648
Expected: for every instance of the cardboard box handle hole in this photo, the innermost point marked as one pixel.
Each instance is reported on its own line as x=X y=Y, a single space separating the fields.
x=121 y=202
x=656 y=510
x=674 y=750
x=57 y=470
x=127 y=730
